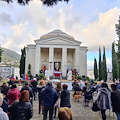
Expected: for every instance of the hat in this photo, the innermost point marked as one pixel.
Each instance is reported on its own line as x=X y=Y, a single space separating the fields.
x=26 y=83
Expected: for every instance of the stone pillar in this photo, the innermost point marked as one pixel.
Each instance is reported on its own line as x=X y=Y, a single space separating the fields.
x=77 y=54
x=64 y=61
x=51 y=61
x=37 y=60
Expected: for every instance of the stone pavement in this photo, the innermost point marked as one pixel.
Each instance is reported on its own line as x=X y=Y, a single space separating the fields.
x=79 y=112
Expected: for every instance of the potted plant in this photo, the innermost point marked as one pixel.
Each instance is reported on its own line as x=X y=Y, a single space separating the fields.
x=79 y=78
x=41 y=76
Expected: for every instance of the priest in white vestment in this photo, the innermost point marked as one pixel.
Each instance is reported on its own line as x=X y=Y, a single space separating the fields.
x=47 y=74
x=69 y=75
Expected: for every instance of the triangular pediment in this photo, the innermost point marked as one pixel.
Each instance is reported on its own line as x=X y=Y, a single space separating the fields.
x=58 y=40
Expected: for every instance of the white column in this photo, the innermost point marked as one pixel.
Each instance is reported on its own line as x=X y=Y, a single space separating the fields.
x=51 y=61
x=64 y=61
x=37 y=60
x=77 y=60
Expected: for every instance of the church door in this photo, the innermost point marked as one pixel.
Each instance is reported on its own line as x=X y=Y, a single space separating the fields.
x=57 y=66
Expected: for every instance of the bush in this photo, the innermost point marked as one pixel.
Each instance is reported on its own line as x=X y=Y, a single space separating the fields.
x=16 y=81
x=41 y=76
x=79 y=77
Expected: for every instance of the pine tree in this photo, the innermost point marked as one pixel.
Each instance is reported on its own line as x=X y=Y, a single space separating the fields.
x=118 y=44
x=115 y=64
x=95 y=69
x=22 y=62
x=100 y=65
x=104 y=67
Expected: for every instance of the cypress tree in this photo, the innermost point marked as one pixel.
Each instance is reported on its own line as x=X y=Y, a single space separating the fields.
x=115 y=64
x=29 y=71
x=22 y=62
x=100 y=65
x=118 y=44
x=95 y=69
x=104 y=67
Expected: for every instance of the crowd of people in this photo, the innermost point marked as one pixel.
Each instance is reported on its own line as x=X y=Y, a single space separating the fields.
x=107 y=97
x=16 y=101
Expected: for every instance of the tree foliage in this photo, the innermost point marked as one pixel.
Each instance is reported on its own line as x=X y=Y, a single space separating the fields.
x=100 y=65
x=95 y=69
x=118 y=44
x=104 y=67
x=115 y=65
x=22 y=62
x=1 y=51
x=45 y=2
x=29 y=70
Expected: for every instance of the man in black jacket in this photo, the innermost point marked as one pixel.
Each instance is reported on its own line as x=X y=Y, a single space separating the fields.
x=115 y=99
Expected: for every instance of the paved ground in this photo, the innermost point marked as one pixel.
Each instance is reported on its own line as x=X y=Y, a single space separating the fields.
x=79 y=112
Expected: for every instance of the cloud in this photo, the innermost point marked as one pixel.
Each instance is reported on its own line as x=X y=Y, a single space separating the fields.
x=102 y=31
x=5 y=19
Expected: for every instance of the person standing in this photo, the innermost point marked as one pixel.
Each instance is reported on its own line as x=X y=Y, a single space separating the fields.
x=13 y=94
x=34 y=84
x=29 y=89
x=3 y=115
x=103 y=99
x=39 y=89
x=57 y=104
x=69 y=75
x=48 y=97
x=47 y=74
x=115 y=99
x=65 y=97
x=22 y=109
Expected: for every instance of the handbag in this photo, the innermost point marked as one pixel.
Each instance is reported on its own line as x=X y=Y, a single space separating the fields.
x=95 y=107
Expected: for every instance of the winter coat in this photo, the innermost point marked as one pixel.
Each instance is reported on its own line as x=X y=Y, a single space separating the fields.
x=65 y=98
x=115 y=99
x=4 y=106
x=13 y=94
x=104 y=98
x=21 y=110
x=3 y=115
x=48 y=96
x=34 y=84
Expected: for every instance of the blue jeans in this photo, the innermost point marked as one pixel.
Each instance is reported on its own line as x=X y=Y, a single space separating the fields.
x=118 y=115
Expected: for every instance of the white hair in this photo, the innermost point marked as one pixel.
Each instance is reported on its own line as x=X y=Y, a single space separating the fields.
x=1 y=98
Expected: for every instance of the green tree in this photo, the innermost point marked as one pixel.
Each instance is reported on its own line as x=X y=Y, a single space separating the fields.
x=1 y=51
x=115 y=65
x=95 y=69
x=100 y=65
x=29 y=71
x=104 y=67
x=118 y=44
x=45 y=2
x=22 y=62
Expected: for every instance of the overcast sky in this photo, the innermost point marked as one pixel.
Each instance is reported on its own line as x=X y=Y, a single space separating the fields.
x=90 y=21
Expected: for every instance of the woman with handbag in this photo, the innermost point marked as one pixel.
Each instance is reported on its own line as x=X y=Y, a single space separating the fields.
x=103 y=99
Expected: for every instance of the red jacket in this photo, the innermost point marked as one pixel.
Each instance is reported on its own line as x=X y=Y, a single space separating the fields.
x=13 y=94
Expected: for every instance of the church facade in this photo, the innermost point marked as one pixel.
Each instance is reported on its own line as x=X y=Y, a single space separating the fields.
x=56 y=50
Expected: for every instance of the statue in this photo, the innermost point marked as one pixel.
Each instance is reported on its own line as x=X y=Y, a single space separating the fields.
x=47 y=74
x=69 y=75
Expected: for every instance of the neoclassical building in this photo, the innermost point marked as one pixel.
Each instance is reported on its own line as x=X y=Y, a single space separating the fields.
x=56 y=50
